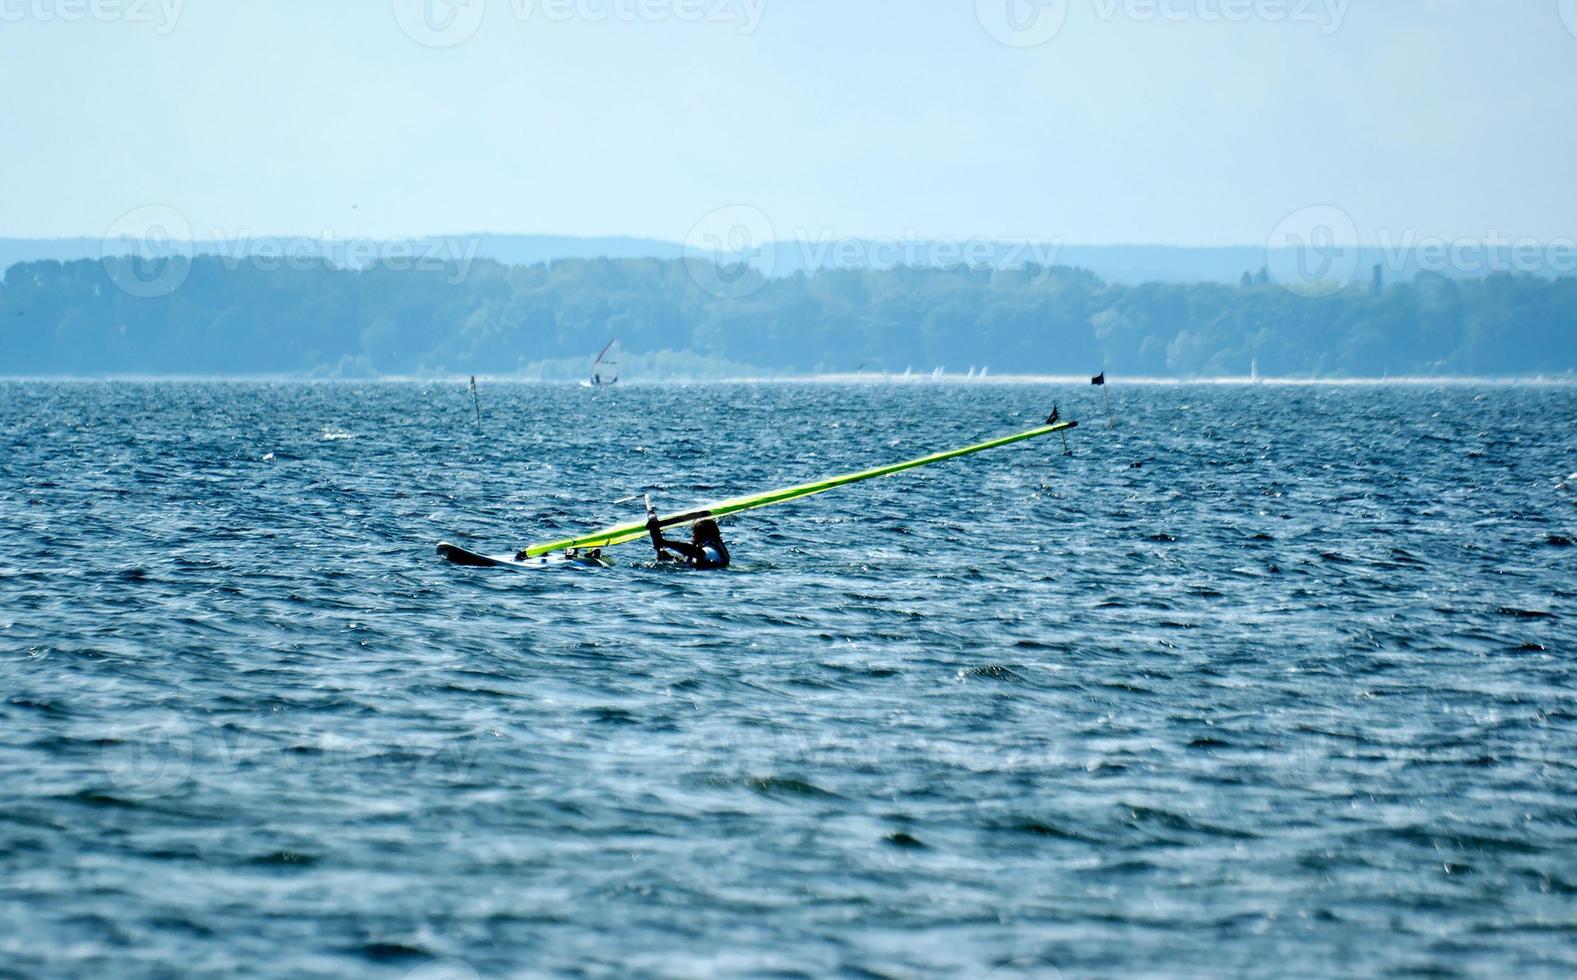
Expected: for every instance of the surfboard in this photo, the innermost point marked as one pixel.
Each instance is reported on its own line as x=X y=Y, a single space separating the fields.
x=460 y=556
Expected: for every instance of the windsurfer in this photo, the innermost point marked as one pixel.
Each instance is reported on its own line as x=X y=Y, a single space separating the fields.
x=705 y=549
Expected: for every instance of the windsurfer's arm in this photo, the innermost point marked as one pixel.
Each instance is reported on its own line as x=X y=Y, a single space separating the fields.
x=690 y=551
x=654 y=528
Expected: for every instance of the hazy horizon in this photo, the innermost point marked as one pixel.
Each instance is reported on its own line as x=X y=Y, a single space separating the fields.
x=1185 y=123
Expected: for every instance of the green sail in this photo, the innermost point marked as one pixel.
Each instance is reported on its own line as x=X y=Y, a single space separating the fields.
x=621 y=533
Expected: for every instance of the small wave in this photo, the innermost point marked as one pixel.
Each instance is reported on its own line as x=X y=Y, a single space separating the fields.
x=1209 y=743
x=995 y=672
x=296 y=859
x=98 y=798
x=1039 y=828
x=383 y=952
x=1145 y=816
x=785 y=786
x=1524 y=613
x=900 y=839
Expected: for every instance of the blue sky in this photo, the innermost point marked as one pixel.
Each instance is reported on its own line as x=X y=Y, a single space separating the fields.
x=1200 y=122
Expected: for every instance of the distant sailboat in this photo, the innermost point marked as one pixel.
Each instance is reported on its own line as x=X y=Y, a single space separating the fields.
x=605 y=369
x=1253 y=370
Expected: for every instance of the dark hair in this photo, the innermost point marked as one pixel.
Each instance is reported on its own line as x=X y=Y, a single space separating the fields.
x=706 y=532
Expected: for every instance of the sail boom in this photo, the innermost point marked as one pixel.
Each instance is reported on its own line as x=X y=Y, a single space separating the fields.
x=622 y=533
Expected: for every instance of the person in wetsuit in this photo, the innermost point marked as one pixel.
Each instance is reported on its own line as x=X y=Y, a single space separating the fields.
x=705 y=549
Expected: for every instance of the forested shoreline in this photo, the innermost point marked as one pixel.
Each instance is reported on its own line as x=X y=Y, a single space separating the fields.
x=316 y=320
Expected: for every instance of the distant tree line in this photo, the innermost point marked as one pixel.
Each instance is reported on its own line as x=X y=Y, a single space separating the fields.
x=318 y=320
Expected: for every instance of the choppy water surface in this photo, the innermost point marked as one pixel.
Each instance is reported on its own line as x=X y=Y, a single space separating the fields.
x=1266 y=680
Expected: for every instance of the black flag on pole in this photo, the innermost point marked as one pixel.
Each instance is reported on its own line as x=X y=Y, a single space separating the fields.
x=1100 y=379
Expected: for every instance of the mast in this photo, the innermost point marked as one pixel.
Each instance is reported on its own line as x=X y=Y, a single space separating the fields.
x=596 y=375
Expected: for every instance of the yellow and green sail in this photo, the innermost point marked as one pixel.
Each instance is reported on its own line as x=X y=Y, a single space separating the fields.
x=622 y=533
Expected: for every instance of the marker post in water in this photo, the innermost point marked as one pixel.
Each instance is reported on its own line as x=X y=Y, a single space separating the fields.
x=1100 y=379
x=476 y=402
x=1053 y=419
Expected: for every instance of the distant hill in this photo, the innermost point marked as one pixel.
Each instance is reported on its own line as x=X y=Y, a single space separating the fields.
x=1125 y=264
x=687 y=319
x=507 y=249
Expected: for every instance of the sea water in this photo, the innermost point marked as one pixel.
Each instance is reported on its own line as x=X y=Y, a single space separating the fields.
x=1261 y=679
